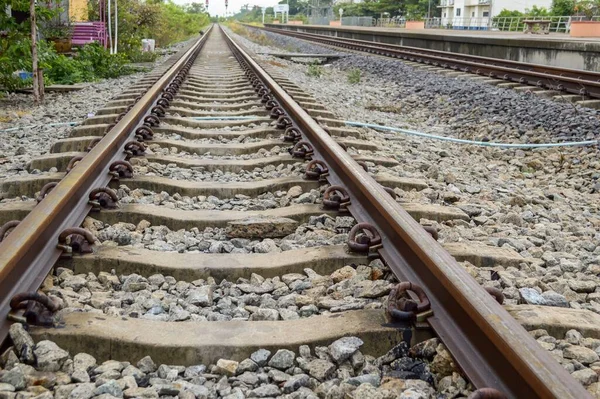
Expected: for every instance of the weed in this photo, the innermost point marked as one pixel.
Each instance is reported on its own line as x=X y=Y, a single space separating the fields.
x=354 y=76
x=291 y=48
x=252 y=34
x=315 y=70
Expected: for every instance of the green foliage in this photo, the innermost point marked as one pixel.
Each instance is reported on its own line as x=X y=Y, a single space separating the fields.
x=314 y=70
x=354 y=75
x=411 y=9
x=509 y=13
x=533 y=12
x=589 y=8
x=558 y=8
x=163 y=21
x=92 y=62
x=563 y=7
x=253 y=34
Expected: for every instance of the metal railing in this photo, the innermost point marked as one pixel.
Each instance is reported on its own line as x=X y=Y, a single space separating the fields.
x=558 y=24
x=394 y=22
x=318 y=20
x=357 y=21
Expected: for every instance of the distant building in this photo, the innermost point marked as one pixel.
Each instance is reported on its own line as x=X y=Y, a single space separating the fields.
x=476 y=14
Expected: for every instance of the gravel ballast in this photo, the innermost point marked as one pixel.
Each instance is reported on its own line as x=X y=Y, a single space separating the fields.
x=339 y=370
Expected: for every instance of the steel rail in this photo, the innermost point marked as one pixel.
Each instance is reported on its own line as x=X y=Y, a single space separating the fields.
x=489 y=345
x=573 y=73
x=29 y=252
x=579 y=82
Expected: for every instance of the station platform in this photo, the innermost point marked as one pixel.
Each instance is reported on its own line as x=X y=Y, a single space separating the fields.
x=556 y=49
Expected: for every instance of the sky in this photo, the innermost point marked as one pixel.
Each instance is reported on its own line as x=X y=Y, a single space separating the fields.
x=217 y=7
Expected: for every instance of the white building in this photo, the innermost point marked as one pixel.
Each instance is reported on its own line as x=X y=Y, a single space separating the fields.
x=476 y=14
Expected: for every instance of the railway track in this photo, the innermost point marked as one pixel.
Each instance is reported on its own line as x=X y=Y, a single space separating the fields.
x=189 y=135
x=562 y=80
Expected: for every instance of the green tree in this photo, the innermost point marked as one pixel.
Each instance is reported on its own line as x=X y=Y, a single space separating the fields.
x=562 y=7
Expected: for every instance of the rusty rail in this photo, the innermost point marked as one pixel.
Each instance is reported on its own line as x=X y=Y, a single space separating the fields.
x=490 y=346
x=28 y=253
x=573 y=81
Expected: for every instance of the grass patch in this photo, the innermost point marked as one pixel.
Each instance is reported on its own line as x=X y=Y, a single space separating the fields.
x=251 y=34
x=291 y=49
x=315 y=70
x=354 y=76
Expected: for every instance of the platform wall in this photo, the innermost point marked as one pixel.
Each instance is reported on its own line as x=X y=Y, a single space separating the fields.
x=562 y=53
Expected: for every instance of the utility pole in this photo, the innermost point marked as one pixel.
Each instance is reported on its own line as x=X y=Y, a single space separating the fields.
x=38 y=76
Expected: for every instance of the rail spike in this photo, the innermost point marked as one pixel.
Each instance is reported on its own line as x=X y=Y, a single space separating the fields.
x=335 y=197
x=93 y=143
x=73 y=162
x=121 y=169
x=292 y=134
x=364 y=237
x=283 y=122
x=134 y=149
x=302 y=149
x=45 y=191
x=39 y=308
x=103 y=198
x=316 y=169
x=7 y=228
x=75 y=239
x=403 y=309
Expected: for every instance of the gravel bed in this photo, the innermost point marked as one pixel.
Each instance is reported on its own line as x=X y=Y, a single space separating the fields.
x=431 y=102
x=240 y=202
x=319 y=231
x=220 y=140
x=541 y=203
x=260 y=153
x=173 y=172
x=159 y=297
x=18 y=147
x=251 y=125
x=339 y=370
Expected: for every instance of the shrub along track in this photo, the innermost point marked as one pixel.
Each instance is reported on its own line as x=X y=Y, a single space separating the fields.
x=490 y=346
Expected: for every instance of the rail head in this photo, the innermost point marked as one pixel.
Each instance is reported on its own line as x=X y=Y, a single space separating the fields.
x=489 y=345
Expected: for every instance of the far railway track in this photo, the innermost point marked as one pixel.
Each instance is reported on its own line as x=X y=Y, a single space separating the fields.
x=572 y=81
x=208 y=80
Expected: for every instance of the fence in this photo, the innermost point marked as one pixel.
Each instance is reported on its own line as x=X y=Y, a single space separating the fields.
x=357 y=21
x=394 y=22
x=558 y=24
x=318 y=20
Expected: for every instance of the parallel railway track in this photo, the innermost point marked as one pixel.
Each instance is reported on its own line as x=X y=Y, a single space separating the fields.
x=572 y=81
x=493 y=350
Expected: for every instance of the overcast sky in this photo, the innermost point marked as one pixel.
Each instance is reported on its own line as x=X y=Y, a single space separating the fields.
x=217 y=7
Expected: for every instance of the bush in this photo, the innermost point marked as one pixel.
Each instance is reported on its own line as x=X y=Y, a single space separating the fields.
x=104 y=64
x=315 y=70
x=354 y=76
x=91 y=62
